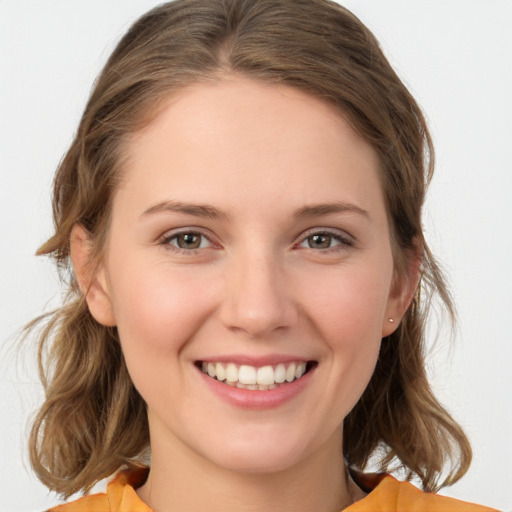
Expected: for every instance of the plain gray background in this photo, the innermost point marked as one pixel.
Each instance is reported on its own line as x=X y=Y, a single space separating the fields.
x=455 y=55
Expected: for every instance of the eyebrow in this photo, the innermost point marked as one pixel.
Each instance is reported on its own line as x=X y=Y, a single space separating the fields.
x=198 y=210
x=210 y=212
x=316 y=210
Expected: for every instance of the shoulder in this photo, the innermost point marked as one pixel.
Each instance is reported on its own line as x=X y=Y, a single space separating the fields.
x=93 y=503
x=119 y=497
x=390 y=495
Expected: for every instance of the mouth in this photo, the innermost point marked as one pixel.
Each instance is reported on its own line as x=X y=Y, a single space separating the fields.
x=262 y=378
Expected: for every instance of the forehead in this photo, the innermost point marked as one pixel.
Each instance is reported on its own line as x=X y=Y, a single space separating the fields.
x=237 y=137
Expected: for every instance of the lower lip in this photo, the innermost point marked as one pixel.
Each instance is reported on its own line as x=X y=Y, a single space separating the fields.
x=255 y=399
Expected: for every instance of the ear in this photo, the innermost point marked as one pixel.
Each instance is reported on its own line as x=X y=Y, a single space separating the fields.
x=91 y=278
x=402 y=291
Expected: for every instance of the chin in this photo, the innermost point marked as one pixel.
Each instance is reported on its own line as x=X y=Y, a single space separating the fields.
x=254 y=455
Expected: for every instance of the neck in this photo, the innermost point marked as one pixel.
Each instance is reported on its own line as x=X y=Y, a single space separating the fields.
x=182 y=480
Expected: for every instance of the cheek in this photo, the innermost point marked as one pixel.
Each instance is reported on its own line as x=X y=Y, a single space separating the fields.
x=156 y=309
x=348 y=317
x=352 y=302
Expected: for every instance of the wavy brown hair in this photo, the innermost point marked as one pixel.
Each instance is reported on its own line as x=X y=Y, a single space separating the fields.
x=93 y=420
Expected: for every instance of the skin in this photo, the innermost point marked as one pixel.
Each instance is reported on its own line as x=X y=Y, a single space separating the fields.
x=256 y=286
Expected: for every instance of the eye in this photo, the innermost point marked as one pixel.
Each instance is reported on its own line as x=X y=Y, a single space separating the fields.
x=187 y=241
x=326 y=240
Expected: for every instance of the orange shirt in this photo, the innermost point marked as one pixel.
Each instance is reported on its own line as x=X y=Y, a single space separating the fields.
x=387 y=495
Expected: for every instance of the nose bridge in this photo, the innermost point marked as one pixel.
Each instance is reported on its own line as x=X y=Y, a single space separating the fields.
x=257 y=297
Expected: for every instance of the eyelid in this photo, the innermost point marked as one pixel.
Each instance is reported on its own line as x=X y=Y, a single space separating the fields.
x=345 y=240
x=165 y=239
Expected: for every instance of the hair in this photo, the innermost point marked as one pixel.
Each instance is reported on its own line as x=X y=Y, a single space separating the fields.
x=93 y=420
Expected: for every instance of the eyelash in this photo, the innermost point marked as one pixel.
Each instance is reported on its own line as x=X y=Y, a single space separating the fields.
x=166 y=241
x=344 y=241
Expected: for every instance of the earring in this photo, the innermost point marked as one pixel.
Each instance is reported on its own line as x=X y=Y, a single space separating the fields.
x=390 y=320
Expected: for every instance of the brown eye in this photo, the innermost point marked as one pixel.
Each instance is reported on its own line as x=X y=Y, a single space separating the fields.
x=188 y=241
x=323 y=240
x=319 y=241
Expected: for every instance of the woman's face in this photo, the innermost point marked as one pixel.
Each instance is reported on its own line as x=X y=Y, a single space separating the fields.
x=249 y=240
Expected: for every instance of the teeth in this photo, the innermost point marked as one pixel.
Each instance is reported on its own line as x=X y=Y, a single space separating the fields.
x=280 y=374
x=246 y=374
x=231 y=373
x=265 y=375
x=254 y=387
x=290 y=372
x=219 y=370
x=250 y=377
x=301 y=369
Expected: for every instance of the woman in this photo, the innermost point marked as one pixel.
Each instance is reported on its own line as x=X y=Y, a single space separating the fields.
x=242 y=209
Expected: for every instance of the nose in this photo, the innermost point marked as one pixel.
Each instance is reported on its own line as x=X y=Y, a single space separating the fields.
x=258 y=297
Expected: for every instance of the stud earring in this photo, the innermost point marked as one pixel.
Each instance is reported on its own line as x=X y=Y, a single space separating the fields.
x=390 y=320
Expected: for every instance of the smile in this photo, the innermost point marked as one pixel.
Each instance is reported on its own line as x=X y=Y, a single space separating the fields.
x=255 y=378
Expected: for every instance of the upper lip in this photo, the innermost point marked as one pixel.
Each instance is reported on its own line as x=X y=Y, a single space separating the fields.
x=256 y=361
